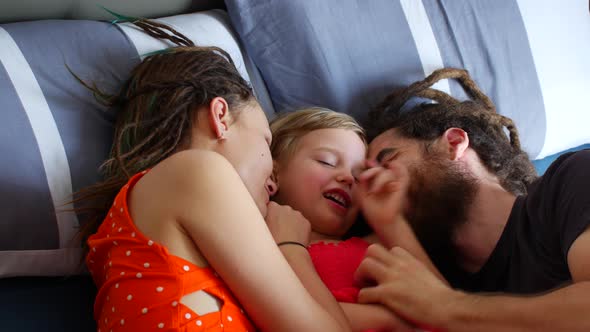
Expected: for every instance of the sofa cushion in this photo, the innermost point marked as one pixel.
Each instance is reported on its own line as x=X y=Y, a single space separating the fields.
x=55 y=135
x=347 y=55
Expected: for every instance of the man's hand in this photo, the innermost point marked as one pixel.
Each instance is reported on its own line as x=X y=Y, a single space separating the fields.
x=404 y=285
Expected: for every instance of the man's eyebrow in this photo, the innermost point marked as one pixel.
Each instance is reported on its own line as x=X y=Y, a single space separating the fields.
x=384 y=153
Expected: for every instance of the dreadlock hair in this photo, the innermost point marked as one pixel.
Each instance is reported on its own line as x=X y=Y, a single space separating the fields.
x=500 y=153
x=156 y=110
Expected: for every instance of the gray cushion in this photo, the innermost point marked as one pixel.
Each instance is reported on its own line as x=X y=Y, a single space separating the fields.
x=55 y=135
x=348 y=54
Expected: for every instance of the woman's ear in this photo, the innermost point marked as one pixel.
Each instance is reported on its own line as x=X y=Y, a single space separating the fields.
x=275 y=170
x=219 y=117
x=456 y=141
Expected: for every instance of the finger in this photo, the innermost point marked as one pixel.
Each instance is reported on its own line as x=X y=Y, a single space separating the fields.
x=379 y=252
x=369 y=173
x=383 y=182
x=369 y=271
x=370 y=295
x=375 y=265
x=401 y=253
x=371 y=163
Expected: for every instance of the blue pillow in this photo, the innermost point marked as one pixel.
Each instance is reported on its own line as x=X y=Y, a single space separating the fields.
x=348 y=54
x=541 y=165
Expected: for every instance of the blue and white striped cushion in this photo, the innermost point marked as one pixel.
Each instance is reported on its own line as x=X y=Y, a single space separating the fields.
x=55 y=135
x=529 y=56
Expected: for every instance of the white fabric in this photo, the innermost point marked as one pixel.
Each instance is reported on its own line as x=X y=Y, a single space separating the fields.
x=425 y=41
x=53 y=154
x=561 y=52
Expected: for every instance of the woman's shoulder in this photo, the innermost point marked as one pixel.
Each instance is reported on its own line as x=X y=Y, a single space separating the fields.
x=189 y=172
x=194 y=164
x=194 y=159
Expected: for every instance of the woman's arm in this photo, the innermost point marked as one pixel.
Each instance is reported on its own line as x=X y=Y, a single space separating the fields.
x=364 y=317
x=288 y=226
x=212 y=204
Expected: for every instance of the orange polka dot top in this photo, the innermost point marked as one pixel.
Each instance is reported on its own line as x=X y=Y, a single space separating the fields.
x=140 y=284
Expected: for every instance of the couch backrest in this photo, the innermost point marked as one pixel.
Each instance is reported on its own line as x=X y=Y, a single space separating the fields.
x=16 y=11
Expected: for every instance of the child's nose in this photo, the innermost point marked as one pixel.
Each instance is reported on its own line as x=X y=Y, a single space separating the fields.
x=345 y=177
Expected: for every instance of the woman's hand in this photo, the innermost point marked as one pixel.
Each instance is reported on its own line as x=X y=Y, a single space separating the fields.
x=287 y=224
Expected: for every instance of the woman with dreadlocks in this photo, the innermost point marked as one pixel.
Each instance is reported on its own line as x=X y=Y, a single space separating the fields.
x=482 y=214
x=179 y=240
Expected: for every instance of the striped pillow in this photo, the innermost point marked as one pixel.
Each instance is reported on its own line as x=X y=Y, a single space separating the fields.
x=529 y=56
x=55 y=135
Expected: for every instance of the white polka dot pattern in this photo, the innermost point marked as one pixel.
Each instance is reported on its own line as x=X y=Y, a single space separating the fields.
x=126 y=305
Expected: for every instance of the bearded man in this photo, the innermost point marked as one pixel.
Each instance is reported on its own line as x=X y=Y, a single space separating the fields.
x=514 y=247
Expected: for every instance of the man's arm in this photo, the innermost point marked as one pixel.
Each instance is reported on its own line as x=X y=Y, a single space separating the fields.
x=407 y=287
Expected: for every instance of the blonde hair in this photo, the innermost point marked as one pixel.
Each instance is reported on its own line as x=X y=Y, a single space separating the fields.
x=288 y=128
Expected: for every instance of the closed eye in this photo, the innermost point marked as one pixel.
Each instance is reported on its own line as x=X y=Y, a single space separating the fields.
x=325 y=163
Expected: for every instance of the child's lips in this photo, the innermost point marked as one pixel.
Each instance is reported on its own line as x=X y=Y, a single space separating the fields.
x=338 y=197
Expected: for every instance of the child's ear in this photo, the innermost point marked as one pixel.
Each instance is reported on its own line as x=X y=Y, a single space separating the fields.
x=456 y=142
x=219 y=117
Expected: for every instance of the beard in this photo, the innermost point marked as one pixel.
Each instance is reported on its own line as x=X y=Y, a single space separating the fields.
x=439 y=196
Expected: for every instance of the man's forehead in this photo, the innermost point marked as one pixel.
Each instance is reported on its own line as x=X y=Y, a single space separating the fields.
x=386 y=140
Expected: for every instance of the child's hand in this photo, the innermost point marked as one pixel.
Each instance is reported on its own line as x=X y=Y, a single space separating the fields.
x=286 y=224
x=381 y=193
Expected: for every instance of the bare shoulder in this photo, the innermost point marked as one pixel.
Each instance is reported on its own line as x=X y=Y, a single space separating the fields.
x=193 y=164
x=186 y=179
x=189 y=171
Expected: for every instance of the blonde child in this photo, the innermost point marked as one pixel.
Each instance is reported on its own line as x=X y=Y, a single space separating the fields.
x=317 y=153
